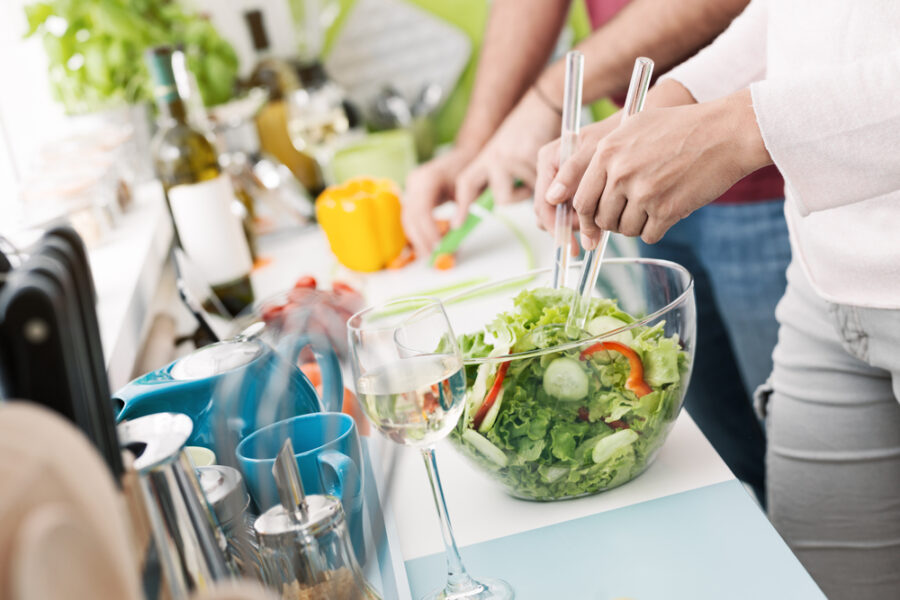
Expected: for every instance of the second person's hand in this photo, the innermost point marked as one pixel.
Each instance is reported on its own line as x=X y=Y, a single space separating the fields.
x=428 y=186
x=510 y=155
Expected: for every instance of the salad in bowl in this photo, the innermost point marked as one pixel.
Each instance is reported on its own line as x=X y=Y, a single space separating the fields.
x=552 y=417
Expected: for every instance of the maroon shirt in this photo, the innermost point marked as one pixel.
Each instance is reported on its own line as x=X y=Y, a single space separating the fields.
x=765 y=184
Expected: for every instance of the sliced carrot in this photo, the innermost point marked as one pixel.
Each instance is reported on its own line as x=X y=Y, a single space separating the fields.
x=405 y=257
x=444 y=262
x=313 y=373
x=443 y=226
x=261 y=261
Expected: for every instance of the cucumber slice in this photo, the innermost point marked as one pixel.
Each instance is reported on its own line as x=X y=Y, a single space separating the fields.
x=565 y=379
x=604 y=323
x=485 y=447
x=478 y=390
x=611 y=444
x=555 y=473
x=492 y=413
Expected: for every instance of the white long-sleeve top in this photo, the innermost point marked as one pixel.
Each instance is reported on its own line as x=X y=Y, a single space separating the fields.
x=824 y=76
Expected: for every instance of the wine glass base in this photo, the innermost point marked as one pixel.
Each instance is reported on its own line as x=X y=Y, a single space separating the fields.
x=484 y=589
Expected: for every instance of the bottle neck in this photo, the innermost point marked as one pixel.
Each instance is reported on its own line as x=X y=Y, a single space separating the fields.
x=165 y=89
x=172 y=109
x=262 y=54
x=312 y=74
x=258 y=34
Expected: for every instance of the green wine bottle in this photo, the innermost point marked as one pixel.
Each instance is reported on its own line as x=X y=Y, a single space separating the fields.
x=199 y=194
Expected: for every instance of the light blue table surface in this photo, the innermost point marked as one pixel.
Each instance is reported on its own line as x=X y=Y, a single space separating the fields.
x=711 y=543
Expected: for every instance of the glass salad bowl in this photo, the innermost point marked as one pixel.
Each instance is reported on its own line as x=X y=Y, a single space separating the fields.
x=553 y=417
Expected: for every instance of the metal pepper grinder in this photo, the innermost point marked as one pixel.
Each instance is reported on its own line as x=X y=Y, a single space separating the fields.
x=224 y=490
x=304 y=541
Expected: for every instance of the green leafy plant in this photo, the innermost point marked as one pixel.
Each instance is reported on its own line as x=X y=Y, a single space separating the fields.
x=95 y=50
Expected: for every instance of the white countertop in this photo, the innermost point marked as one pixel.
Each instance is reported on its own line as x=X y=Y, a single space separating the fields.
x=480 y=510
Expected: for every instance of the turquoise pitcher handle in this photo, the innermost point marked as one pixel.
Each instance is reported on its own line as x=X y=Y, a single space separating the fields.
x=332 y=398
x=346 y=484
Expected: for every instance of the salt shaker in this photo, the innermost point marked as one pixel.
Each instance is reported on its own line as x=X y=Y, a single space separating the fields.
x=304 y=541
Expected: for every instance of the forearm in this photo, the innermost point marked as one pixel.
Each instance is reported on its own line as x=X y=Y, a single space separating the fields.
x=736 y=59
x=731 y=119
x=518 y=42
x=666 y=31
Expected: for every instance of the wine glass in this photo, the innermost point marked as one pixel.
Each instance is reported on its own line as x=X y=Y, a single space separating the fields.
x=411 y=383
x=318 y=123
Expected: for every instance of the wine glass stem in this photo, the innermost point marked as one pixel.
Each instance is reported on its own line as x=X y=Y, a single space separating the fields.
x=457 y=577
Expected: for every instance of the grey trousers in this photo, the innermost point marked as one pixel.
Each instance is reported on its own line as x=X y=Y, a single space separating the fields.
x=833 y=458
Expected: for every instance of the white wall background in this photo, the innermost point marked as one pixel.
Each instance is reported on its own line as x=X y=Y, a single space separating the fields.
x=28 y=115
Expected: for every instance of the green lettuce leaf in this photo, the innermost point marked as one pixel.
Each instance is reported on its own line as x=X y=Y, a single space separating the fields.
x=661 y=362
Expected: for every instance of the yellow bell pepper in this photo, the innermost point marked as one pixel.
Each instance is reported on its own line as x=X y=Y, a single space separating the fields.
x=362 y=221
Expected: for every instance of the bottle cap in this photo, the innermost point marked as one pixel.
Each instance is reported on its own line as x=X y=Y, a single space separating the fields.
x=254 y=20
x=159 y=61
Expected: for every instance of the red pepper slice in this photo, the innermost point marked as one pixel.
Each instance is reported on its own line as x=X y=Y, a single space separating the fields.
x=492 y=395
x=635 y=381
x=343 y=288
x=307 y=281
x=430 y=400
x=271 y=314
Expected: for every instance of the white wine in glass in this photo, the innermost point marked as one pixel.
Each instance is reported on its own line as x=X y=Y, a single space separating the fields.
x=415 y=401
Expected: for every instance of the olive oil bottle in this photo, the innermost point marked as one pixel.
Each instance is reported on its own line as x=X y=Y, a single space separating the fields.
x=200 y=196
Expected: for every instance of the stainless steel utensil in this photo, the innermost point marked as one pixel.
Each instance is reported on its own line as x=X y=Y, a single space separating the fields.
x=571 y=122
x=634 y=102
x=189 y=542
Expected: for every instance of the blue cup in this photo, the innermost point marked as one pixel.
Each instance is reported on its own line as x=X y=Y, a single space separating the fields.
x=329 y=457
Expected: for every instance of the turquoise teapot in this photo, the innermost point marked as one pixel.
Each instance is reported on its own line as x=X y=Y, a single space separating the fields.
x=236 y=387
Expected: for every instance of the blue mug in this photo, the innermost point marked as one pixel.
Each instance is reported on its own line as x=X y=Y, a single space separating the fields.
x=244 y=381
x=329 y=457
